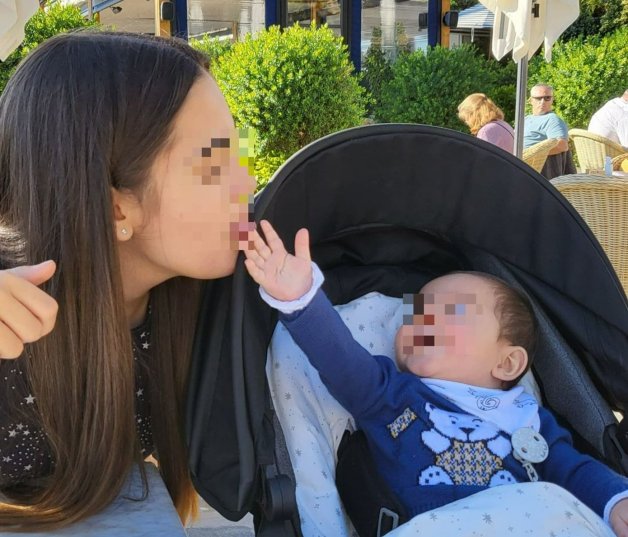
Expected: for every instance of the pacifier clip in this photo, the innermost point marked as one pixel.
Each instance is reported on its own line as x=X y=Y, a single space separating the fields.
x=529 y=448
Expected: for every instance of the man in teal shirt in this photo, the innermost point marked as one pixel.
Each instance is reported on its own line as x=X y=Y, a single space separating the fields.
x=543 y=124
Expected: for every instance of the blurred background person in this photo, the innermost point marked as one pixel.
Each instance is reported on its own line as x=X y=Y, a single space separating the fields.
x=544 y=124
x=611 y=121
x=486 y=121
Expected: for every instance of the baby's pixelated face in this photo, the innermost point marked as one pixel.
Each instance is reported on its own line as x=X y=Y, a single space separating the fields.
x=450 y=331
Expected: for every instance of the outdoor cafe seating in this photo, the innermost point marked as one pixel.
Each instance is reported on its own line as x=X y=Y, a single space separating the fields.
x=536 y=155
x=592 y=149
x=620 y=163
x=603 y=204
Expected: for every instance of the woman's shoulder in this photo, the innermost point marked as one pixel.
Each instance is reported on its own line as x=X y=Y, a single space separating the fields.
x=495 y=130
x=499 y=125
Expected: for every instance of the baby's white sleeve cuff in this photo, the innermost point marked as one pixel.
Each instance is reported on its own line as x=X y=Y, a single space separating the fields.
x=295 y=305
x=612 y=502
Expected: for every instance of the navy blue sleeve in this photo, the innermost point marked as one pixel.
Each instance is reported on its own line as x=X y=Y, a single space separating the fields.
x=588 y=479
x=355 y=378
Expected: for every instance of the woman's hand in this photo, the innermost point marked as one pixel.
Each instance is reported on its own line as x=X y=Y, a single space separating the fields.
x=26 y=312
x=283 y=276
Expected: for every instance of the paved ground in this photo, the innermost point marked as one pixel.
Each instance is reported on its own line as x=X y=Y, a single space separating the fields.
x=211 y=524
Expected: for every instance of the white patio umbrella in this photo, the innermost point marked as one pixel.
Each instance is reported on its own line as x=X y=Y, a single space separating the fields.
x=522 y=26
x=13 y=17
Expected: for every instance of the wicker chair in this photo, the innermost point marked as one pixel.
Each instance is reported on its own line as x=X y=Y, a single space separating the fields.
x=620 y=163
x=592 y=149
x=536 y=155
x=603 y=204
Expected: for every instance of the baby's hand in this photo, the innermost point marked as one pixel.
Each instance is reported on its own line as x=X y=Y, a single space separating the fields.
x=283 y=276
x=619 y=518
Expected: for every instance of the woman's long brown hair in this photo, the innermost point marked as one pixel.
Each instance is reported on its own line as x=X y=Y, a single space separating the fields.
x=84 y=113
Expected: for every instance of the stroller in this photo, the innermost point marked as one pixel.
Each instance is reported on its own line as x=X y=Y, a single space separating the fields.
x=388 y=208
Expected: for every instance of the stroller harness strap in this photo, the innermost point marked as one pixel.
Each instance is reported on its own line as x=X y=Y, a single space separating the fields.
x=371 y=505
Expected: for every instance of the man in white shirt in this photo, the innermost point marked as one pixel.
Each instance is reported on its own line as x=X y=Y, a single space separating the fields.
x=611 y=121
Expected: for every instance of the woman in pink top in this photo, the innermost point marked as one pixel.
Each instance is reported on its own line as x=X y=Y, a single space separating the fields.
x=486 y=121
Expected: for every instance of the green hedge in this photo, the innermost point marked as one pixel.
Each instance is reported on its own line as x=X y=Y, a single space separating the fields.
x=598 y=17
x=377 y=67
x=292 y=87
x=212 y=47
x=585 y=74
x=56 y=18
x=426 y=87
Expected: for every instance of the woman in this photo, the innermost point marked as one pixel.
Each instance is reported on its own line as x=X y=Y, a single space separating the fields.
x=118 y=165
x=486 y=121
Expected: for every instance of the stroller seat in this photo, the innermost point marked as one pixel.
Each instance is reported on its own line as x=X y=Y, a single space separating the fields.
x=314 y=424
x=312 y=420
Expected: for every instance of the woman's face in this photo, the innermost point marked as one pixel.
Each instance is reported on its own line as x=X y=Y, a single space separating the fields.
x=196 y=208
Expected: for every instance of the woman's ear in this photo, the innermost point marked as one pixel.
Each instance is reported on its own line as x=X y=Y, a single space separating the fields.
x=512 y=363
x=127 y=213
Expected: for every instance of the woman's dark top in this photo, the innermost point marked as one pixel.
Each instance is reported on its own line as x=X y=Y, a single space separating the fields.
x=24 y=449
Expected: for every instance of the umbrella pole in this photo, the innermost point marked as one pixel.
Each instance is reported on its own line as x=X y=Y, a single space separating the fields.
x=520 y=104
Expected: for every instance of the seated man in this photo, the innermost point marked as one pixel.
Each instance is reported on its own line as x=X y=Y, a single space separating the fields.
x=611 y=121
x=544 y=124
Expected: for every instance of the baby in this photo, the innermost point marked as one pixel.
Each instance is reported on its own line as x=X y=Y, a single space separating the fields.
x=452 y=421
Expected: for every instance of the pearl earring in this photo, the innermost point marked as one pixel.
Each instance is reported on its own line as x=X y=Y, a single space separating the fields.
x=123 y=231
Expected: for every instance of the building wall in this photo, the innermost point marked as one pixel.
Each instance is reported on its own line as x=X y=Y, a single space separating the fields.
x=136 y=16
x=394 y=23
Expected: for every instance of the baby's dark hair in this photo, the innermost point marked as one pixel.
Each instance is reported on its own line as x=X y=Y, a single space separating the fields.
x=517 y=323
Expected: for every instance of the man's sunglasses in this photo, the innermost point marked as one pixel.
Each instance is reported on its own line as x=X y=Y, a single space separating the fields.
x=543 y=98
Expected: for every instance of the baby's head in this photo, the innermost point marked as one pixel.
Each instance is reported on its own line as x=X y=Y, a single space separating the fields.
x=467 y=327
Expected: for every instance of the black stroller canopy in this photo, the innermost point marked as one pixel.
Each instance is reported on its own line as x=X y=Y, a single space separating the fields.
x=449 y=185
x=355 y=189
x=388 y=207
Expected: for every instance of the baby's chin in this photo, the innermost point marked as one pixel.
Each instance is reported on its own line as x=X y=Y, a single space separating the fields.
x=422 y=362
x=410 y=363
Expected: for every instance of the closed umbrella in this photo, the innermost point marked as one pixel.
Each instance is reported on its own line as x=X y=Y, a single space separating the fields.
x=13 y=17
x=521 y=27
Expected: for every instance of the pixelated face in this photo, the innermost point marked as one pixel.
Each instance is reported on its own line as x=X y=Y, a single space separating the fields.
x=201 y=189
x=542 y=100
x=450 y=331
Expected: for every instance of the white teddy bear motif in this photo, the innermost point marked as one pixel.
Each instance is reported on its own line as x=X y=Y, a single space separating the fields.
x=468 y=451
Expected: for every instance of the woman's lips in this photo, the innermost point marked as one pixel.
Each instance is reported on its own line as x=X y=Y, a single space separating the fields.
x=240 y=232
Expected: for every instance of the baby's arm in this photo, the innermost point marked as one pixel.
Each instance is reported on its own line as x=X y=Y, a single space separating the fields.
x=354 y=377
x=594 y=483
